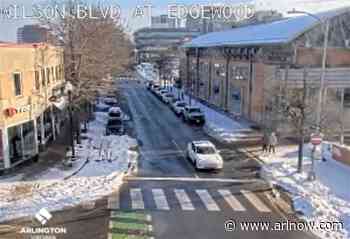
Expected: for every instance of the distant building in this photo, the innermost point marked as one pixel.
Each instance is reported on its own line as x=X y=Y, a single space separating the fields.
x=163 y=21
x=32 y=34
x=150 y=41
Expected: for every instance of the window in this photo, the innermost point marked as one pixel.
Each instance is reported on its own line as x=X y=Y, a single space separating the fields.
x=17 y=83
x=15 y=143
x=43 y=77
x=48 y=75
x=37 y=80
x=53 y=74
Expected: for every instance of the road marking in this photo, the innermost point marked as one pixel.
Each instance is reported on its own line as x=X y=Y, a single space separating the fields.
x=207 y=200
x=136 y=199
x=160 y=199
x=188 y=179
x=257 y=203
x=184 y=200
x=231 y=200
x=184 y=156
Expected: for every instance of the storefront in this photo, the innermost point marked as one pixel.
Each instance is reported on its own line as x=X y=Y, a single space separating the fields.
x=22 y=143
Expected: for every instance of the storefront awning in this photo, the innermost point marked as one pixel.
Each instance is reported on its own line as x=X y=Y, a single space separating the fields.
x=61 y=103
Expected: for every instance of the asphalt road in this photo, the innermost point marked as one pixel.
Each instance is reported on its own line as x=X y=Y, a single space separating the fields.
x=183 y=202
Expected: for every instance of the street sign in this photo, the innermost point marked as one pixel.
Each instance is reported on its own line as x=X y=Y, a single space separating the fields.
x=316 y=139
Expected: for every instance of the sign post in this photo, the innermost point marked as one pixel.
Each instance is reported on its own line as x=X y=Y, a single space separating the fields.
x=316 y=139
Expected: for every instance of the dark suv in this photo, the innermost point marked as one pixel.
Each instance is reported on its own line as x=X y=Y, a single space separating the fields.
x=193 y=114
x=114 y=127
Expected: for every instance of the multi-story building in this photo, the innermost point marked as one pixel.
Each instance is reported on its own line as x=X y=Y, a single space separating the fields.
x=150 y=41
x=32 y=34
x=31 y=102
x=235 y=69
x=163 y=21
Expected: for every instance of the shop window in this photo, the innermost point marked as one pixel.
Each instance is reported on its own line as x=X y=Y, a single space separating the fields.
x=15 y=144
x=241 y=73
x=37 y=80
x=17 y=83
x=28 y=139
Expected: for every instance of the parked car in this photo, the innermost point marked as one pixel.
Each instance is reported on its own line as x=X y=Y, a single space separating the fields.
x=166 y=98
x=149 y=85
x=204 y=155
x=115 y=113
x=193 y=114
x=114 y=127
x=178 y=107
x=110 y=101
x=155 y=88
x=161 y=92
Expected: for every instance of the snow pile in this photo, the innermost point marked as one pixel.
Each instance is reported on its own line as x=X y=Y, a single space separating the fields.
x=327 y=199
x=102 y=161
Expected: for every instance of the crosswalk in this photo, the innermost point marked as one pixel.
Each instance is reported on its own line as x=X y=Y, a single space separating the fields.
x=189 y=200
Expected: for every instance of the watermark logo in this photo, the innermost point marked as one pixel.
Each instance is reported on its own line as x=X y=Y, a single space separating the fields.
x=43 y=216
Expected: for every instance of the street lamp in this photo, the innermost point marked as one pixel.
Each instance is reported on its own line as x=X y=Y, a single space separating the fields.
x=68 y=90
x=325 y=24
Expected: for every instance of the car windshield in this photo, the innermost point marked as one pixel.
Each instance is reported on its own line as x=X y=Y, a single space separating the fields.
x=194 y=110
x=205 y=150
x=181 y=104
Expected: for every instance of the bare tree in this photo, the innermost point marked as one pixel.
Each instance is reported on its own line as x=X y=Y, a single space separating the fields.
x=294 y=107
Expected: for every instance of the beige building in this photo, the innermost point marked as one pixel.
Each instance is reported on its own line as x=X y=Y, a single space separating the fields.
x=31 y=102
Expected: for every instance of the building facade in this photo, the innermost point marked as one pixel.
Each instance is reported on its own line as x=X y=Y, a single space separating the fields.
x=31 y=90
x=235 y=70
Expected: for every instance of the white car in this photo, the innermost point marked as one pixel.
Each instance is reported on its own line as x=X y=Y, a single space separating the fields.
x=178 y=107
x=204 y=155
x=166 y=98
x=110 y=101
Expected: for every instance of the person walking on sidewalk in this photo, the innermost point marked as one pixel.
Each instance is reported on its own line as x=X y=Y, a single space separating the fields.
x=272 y=142
x=265 y=143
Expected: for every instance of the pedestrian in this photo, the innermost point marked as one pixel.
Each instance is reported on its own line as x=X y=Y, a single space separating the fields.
x=273 y=142
x=265 y=143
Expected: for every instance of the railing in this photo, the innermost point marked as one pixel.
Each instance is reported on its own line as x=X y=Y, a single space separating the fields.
x=335 y=77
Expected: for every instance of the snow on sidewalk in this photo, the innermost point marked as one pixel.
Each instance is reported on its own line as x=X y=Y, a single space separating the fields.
x=325 y=200
x=220 y=126
x=102 y=160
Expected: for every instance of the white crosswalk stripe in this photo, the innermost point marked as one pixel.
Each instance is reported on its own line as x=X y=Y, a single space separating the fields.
x=231 y=200
x=136 y=199
x=160 y=199
x=184 y=200
x=207 y=200
x=257 y=203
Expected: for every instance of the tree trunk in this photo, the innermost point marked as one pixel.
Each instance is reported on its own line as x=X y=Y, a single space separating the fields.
x=301 y=153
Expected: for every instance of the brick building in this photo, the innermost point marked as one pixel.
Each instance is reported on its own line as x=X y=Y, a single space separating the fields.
x=233 y=69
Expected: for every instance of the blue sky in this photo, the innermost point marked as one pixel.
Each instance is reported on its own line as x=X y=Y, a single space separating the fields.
x=8 y=28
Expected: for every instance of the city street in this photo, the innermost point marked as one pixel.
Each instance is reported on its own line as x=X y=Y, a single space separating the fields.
x=183 y=202
x=165 y=185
